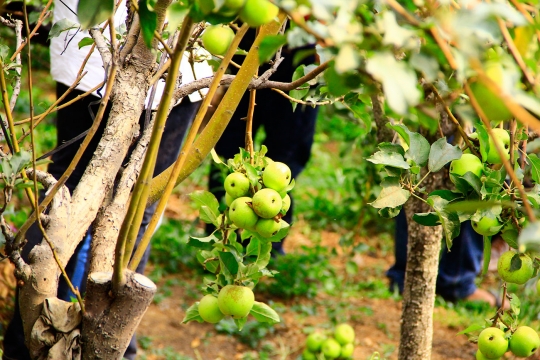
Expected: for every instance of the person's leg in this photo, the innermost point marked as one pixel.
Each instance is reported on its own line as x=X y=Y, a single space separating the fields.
x=459 y=267
x=396 y=273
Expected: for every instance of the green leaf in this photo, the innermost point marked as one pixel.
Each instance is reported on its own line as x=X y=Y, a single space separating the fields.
x=207 y=205
x=269 y=46
x=389 y=213
x=471 y=206
x=530 y=235
x=515 y=304
x=511 y=237
x=392 y=195
x=441 y=154
x=216 y=157
x=483 y=137
x=85 y=42
x=176 y=12
x=205 y=243
x=472 y=328
x=487 y=254
x=418 y=145
x=61 y=26
x=427 y=219
x=148 y=20
x=535 y=167
x=515 y=263
x=467 y=182
x=192 y=314
x=240 y=323
x=448 y=195
x=399 y=81
x=450 y=222
x=264 y=313
x=387 y=147
x=300 y=92
x=228 y=262
x=389 y=159
x=94 y=12
x=20 y=160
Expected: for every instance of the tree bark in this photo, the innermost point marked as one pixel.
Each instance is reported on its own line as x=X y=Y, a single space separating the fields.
x=423 y=250
x=109 y=323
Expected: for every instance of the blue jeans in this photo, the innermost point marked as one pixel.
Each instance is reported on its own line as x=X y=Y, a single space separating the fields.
x=458 y=268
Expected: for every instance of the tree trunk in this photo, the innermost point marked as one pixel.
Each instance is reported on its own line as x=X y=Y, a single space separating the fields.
x=423 y=250
x=109 y=323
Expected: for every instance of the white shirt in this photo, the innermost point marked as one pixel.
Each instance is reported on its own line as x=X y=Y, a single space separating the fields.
x=66 y=57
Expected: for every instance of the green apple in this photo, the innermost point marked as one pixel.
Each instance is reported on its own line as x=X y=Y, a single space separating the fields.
x=344 y=334
x=236 y=185
x=277 y=176
x=228 y=199
x=347 y=351
x=490 y=102
x=209 y=309
x=485 y=224
x=285 y=203
x=236 y=301
x=467 y=162
x=314 y=341
x=480 y=356
x=241 y=214
x=267 y=203
x=231 y=7
x=502 y=137
x=258 y=12
x=308 y=355
x=519 y=276
x=524 y=342
x=331 y=348
x=217 y=39
x=492 y=343
x=267 y=227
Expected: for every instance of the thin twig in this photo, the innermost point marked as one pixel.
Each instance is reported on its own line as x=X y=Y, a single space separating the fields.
x=249 y=125
x=17 y=86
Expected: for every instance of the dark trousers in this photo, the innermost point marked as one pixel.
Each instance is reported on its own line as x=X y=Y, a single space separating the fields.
x=72 y=121
x=458 y=268
x=289 y=137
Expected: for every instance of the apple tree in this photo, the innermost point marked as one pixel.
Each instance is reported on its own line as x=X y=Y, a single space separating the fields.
x=443 y=84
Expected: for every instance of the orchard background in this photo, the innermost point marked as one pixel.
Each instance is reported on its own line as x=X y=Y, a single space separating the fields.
x=396 y=80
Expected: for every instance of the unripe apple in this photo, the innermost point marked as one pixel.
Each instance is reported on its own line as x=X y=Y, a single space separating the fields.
x=236 y=185
x=347 y=351
x=267 y=203
x=308 y=355
x=258 y=12
x=467 y=162
x=480 y=356
x=492 y=343
x=524 y=342
x=519 y=276
x=314 y=341
x=285 y=203
x=331 y=348
x=209 y=309
x=344 y=334
x=231 y=7
x=277 y=176
x=236 y=301
x=241 y=214
x=217 y=39
x=490 y=102
x=484 y=225
x=267 y=227
x=502 y=137
x=228 y=199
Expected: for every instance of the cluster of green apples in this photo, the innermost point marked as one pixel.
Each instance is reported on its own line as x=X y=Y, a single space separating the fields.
x=259 y=209
x=487 y=226
x=493 y=343
x=232 y=300
x=338 y=346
